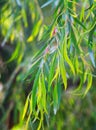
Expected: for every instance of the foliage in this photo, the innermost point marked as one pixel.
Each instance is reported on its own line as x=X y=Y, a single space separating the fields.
x=49 y=55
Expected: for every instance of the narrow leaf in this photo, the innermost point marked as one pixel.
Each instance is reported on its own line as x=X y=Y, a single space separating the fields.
x=74 y=39
x=51 y=74
x=63 y=71
x=39 y=94
x=43 y=93
x=55 y=99
x=25 y=108
x=15 y=53
x=79 y=22
x=67 y=58
x=34 y=90
x=89 y=83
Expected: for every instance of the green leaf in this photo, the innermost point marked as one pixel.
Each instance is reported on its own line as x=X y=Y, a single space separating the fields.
x=89 y=83
x=23 y=11
x=27 y=121
x=51 y=71
x=76 y=63
x=82 y=14
x=35 y=31
x=91 y=33
x=36 y=28
x=85 y=76
x=39 y=95
x=56 y=73
x=43 y=93
x=63 y=71
x=55 y=98
x=67 y=58
x=15 y=53
x=34 y=90
x=79 y=22
x=74 y=38
x=25 y=108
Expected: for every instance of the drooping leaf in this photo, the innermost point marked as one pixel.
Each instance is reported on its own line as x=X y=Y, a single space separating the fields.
x=89 y=84
x=82 y=14
x=24 y=17
x=39 y=95
x=25 y=108
x=55 y=98
x=79 y=22
x=35 y=31
x=74 y=39
x=76 y=63
x=63 y=71
x=56 y=74
x=43 y=93
x=67 y=58
x=34 y=89
x=51 y=74
x=15 y=53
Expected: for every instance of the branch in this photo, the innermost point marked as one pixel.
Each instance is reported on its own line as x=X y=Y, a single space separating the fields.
x=8 y=85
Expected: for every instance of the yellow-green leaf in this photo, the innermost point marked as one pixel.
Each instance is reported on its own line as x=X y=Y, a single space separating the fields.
x=43 y=93
x=39 y=94
x=24 y=17
x=37 y=28
x=35 y=31
x=76 y=64
x=56 y=74
x=63 y=71
x=25 y=108
x=67 y=58
x=89 y=83
x=30 y=39
x=52 y=70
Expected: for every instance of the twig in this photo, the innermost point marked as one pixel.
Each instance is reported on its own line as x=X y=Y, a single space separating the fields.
x=8 y=85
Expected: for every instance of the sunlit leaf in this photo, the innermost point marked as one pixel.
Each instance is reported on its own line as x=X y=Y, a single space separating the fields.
x=56 y=74
x=36 y=28
x=89 y=84
x=35 y=31
x=82 y=14
x=30 y=39
x=25 y=108
x=15 y=53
